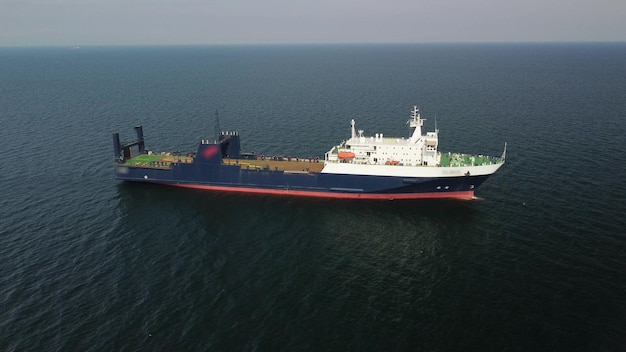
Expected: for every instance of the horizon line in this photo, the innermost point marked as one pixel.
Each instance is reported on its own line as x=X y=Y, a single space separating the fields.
x=78 y=46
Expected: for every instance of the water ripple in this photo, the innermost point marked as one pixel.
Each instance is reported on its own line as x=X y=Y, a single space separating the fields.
x=92 y=264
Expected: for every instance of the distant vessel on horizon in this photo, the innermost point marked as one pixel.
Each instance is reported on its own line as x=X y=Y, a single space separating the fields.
x=361 y=167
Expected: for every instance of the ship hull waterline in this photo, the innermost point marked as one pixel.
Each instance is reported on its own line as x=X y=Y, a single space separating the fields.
x=461 y=195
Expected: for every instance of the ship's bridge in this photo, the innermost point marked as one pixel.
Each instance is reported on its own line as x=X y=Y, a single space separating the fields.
x=417 y=150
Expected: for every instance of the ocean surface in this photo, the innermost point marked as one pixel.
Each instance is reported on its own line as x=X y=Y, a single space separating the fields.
x=88 y=263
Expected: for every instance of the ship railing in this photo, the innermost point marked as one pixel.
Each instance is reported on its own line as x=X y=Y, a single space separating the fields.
x=446 y=160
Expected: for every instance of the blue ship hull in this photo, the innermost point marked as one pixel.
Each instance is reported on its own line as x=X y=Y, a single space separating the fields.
x=234 y=178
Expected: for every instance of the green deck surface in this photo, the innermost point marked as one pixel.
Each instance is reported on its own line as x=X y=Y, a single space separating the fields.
x=144 y=159
x=157 y=160
x=456 y=159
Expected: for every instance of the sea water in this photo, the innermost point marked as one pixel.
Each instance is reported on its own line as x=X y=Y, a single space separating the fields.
x=90 y=263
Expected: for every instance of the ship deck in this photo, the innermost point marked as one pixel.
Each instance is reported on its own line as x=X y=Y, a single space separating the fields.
x=165 y=161
x=159 y=160
x=290 y=165
x=457 y=159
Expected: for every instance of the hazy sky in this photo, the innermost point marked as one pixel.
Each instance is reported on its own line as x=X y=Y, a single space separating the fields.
x=122 y=22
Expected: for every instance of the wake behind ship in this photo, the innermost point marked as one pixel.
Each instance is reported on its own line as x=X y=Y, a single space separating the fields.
x=374 y=167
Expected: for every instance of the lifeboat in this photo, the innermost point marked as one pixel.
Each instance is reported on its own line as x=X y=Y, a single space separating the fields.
x=346 y=155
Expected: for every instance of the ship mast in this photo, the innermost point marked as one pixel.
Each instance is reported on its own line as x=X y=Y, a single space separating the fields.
x=217 y=129
x=416 y=122
x=353 y=130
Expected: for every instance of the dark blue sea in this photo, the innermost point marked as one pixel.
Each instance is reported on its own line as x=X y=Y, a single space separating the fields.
x=88 y=263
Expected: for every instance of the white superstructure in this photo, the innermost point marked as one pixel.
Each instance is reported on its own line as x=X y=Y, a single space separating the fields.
x=416 y=156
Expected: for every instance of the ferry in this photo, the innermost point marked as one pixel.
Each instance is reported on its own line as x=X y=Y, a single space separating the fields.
x=360 y=167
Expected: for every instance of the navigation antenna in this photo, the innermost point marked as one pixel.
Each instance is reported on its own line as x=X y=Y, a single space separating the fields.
x=217 y=126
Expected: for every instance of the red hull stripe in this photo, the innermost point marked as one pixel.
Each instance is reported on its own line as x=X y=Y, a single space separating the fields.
x=388 y=196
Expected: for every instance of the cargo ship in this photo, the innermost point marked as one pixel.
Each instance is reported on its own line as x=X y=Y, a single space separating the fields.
x=360 y=167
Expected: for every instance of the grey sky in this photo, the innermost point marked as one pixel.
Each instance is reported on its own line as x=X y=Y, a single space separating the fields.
x=123 y=22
